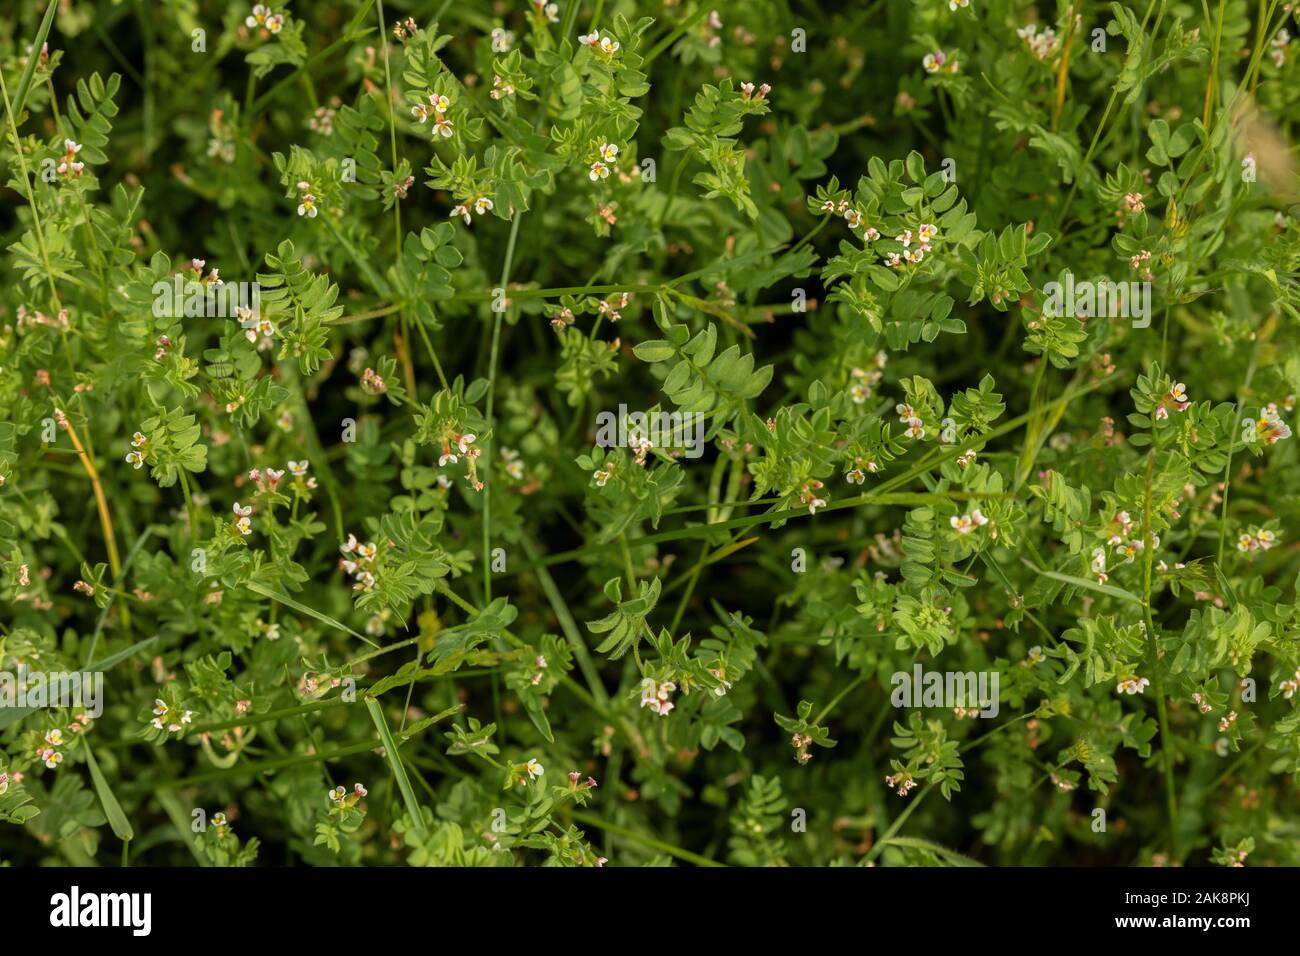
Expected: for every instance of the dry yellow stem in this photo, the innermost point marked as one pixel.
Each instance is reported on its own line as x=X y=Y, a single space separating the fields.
x=101 y=502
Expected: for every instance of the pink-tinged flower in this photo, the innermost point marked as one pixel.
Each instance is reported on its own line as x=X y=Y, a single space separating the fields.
x=902 y=782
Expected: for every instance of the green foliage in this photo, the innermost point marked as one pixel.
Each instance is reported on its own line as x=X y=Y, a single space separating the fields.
x=312 y=329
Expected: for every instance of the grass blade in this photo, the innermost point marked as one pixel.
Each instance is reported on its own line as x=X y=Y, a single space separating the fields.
x=112 y=809
x=25 y=82
x=395 y=761
x=262 y=589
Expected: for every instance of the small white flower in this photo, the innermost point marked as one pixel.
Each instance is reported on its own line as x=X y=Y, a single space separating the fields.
x=54 y=737
x=598 y=171
x=298 y=468
x=608 y=47
x=608 y=152
x=442 y=127
x=463 y=211
x=534 y=769
x=308 y=206
x=258 y=17
x=482 y=205
x=337 y=794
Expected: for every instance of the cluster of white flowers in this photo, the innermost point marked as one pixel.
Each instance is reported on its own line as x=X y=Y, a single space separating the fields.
x=263 y=18
x=1278 y=47
x=307 y=203
x=501 y=87
x=1201 y=703
x=865 y=380
x=1062 y=783
x=907 y=415
x=1227 y=721
x=437 y=107
x=1269 y=428
x=48 y=753
x=938 y=62
x=1177 y=397
x=604 y=45
x=166 y=718
x=135 y=457
x=924 y=234
x=455 y=447
x=514 y=465
x=1133 y=685
x=808 y=495
x=243 y=521
x=606 y=154
x=965 y=524
x=481 y=205
x=69 y=165
x=857 y=475
x=322 y=120
x=903 y=782
x=359 y=561
x=719 y=673
x=1138 y=261
x=549 y=11
x=340 y=797
x=1256 y=539
x=1098 y=564
x=655 y=694
x=257 y=330
x=1043 y=45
